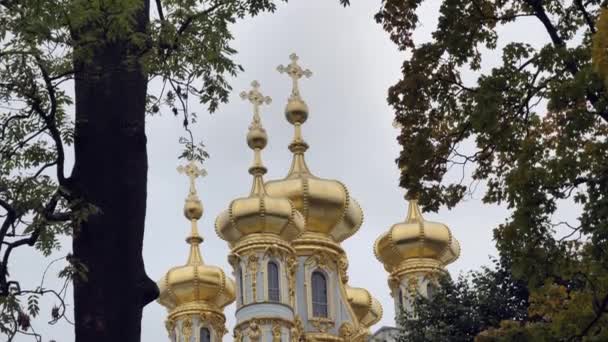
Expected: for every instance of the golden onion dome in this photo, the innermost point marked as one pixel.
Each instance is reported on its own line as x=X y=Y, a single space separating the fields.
x=367 y=308
x=195 y=283
x=417 y=240
x=326 y=204
x=258 y=213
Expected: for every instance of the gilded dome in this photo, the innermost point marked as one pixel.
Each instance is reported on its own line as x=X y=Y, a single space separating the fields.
x=326 y=204
x=196 y=283
x=367 y=308
x=259 y=213
x=203 y=286
x=416 y=239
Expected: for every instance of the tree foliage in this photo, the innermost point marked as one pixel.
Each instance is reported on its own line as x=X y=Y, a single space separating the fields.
x=460 y=309
x=532 y=129
x=184 y=50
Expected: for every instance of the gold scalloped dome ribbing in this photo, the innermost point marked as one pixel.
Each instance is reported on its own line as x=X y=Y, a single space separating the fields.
x=416 y=241
x=325 y=204
x=196 y=284
x=259 y=214
x=367 y=308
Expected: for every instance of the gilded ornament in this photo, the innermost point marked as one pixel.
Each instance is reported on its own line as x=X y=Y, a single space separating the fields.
x=343 y=268
x=295 y=72
x=252 y=268
x=233 y=259
x=297 y=330
x=291 y=277
x=276 y=332
x=273 y=250
x=257 y=99
x=187 y=328
x=238 y=336
x=322 y=324
x=170 y=325
x=412 y=285
x=254 y=331
x=346 y=331
x=321 y=259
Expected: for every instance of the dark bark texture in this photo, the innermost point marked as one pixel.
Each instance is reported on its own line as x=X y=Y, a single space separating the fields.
x=110 y=172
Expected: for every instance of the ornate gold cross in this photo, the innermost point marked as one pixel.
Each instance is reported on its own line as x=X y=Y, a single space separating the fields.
x=296 y=72
x=257 y=99
x=193 y=172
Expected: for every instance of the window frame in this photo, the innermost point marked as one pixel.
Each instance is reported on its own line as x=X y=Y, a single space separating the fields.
x=317 y=305
x=275 y=291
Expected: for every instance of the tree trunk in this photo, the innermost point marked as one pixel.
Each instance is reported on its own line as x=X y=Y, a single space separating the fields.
x=110 y=172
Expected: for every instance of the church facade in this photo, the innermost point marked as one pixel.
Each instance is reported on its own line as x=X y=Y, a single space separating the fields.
x=290 y=271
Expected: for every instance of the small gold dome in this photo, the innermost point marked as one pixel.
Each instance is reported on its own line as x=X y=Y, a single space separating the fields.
x=416 y=239
x=258 y=213
x=367 y=308
x=196 y=283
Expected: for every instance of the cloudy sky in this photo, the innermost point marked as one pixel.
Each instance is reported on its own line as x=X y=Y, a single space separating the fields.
x=349 y=130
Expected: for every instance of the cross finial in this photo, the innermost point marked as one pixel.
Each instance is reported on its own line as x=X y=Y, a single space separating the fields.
x=193 y=172
x=295 y=71
x=256 y=98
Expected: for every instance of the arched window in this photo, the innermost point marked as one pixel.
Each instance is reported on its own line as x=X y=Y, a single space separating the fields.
x=319 y=294
x=241 y=288
x=273 y=282
x=205 y=335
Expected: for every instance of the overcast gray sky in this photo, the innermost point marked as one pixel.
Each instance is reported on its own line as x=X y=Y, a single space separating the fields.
x=349 y=130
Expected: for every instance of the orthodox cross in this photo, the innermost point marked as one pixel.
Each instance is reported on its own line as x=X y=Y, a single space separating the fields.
x=296 y=72
x=257 y=99
x=193 y=172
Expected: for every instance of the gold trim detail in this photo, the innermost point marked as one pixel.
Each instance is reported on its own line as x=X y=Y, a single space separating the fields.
x=170 y=326
x=238 y=336
x=253 y=331
x=276 y=332
x=252 y=269
x=322 y=324
x=297 y=330
x=346 y=331
x=187 y=328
